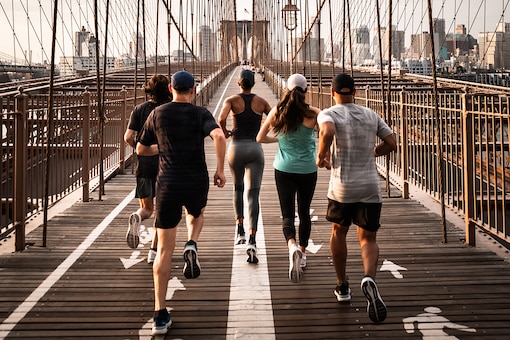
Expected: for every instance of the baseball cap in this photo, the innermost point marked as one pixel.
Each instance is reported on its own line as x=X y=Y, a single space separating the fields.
x=343 y=84
x=249 y=75
x=296 y=80
x=182 y=80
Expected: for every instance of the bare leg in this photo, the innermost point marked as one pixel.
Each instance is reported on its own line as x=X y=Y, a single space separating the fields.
x=338 y=245
x=163 y=266
x=369 y=251
x=194 y=225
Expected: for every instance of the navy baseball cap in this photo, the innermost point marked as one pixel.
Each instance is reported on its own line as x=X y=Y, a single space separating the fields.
x=182 y=81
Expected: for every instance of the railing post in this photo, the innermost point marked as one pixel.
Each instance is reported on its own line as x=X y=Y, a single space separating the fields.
x=404 y=144
x=123 y=118
x=468 y=172
x=20 y=168
x=86 y=146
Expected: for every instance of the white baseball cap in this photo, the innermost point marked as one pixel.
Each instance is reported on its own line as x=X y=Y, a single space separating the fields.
x=296 y=80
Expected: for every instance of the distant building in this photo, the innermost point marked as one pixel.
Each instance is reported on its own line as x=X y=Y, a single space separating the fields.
x=397 y=43
x=460 y=43
x=84 y=59
x=414 y=66
x=494 y=48
x=207 y=44
x=361 y=45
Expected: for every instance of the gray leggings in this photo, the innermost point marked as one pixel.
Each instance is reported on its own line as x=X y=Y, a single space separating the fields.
x=246 y=156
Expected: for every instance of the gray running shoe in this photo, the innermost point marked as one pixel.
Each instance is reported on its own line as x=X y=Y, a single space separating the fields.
x=376 y=308
x=133 y=232
x=191 y=268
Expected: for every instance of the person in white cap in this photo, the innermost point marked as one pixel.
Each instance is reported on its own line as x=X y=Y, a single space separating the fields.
x=292 y=123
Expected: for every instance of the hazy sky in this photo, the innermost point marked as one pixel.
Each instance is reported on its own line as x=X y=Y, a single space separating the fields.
x=410 y=15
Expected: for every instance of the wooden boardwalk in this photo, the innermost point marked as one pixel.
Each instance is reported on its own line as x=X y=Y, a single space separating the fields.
x=88 y=284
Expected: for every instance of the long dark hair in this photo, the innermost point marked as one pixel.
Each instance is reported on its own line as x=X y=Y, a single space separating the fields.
x=291 y=110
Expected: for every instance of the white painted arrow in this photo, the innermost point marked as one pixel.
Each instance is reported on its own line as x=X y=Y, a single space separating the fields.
x=393 y=268
x=312 y=247
x=133 y=259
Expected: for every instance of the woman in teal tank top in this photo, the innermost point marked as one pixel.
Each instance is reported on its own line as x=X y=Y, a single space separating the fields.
x=292 y=123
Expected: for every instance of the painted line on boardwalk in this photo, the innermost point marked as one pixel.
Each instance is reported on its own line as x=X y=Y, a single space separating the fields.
x=220 y=101
x=29 y=303
x=250 y=309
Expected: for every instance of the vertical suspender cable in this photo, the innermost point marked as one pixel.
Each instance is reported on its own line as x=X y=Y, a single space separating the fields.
x=99 y=102
x=378 y=11
x=103 y=93
x=157 y=37
x=439 y=126
x=253 y=34
x=350 y=36
x=331 y=38
x=343 y=39
x=236 y=47
x=105 y=57
x=169 y=33
x=144 y=45
x=49 y=123
x=389 y=29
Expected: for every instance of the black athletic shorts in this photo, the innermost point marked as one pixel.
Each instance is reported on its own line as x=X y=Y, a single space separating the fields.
x=364 y=215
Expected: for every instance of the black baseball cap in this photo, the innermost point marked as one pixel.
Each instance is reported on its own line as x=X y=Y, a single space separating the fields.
x=343 y=84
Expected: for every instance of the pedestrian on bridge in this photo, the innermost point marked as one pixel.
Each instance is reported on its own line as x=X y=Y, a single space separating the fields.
x=147 y=166
x=176 y=131
x=245 y=155
x=348 y=146
x=292 y=123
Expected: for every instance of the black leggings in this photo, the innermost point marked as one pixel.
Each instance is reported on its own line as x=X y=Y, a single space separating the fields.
x=288 y=184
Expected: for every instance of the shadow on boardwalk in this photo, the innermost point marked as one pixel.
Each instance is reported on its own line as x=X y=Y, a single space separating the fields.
x=88 y=284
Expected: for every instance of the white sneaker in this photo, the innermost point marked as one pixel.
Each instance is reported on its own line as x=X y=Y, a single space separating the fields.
x=251 y=251
x=151 y=255
x=295 y=258
x=303 y=260
x=133 y=232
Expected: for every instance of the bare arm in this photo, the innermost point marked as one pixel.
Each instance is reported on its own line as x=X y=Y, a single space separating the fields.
x=326 y=134
x=222 y=120
x=262 y=136
x=129 y=137
x=144 y=150
x=220 y=146
x=387 y=145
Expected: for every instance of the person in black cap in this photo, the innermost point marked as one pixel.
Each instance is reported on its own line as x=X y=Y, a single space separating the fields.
x=245 y=155
x=348 y=146
x=293 y=121
x=147 y=166
x=176 y=131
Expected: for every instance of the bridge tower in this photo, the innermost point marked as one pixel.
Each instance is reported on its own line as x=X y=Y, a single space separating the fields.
x=248 y=34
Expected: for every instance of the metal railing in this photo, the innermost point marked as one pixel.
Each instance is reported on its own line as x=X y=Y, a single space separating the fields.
x=67 y=143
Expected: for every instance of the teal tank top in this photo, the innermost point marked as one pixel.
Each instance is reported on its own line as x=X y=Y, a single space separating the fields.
x=296 y=151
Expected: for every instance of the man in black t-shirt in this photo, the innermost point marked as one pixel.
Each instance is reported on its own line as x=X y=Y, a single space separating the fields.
x=177 y=131
x=147 y=166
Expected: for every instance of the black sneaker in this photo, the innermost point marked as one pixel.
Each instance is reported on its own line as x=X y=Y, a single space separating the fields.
x=133 y=232
x=343 y=292
x=191 y=268
x=376 y=308
x=162 y=322
x=251 y=250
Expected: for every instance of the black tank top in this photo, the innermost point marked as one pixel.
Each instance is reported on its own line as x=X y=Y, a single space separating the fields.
x=246 y=124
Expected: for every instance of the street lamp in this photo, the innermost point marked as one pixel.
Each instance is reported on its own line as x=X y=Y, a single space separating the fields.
x=289 y=13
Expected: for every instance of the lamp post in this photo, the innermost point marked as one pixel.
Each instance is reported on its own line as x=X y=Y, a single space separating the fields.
x=289 y=13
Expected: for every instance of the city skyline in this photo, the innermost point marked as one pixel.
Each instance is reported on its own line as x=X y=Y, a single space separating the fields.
x=477 y=17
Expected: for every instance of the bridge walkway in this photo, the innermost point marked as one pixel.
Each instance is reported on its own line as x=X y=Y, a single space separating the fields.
x=88 y=284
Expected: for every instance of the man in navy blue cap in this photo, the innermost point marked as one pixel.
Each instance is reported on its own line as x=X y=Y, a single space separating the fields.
x=176 y=131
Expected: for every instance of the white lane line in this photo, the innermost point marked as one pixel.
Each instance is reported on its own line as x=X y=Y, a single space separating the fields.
x=29 y=303
x=220 y=101
x=250 y=310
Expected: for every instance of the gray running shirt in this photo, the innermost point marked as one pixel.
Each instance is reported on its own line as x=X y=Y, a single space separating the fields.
x=354 y=176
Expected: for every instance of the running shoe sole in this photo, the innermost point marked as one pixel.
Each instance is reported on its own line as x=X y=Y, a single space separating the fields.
x=241 y=239
x=151 y=256
x=133 y=233
x=191 y=265
x=252 y=255
x=376 y=308
x=343 y=297
x=157 y=330
x=295 y=270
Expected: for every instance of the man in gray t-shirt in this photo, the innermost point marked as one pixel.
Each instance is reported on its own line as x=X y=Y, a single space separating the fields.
x=347 y=145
